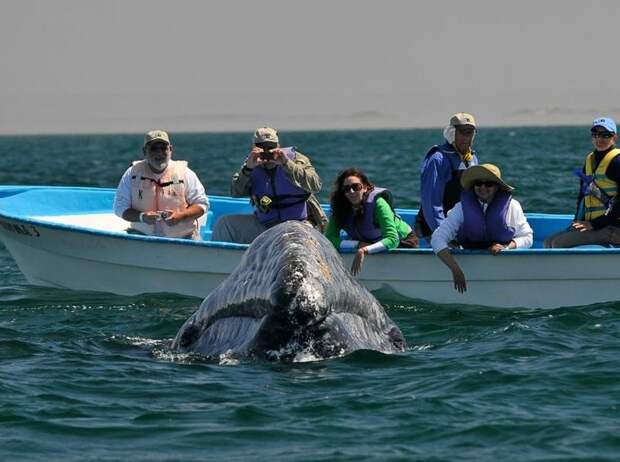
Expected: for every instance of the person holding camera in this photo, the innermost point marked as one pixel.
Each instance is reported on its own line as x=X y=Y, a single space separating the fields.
x=160 y=196
x=281 y=183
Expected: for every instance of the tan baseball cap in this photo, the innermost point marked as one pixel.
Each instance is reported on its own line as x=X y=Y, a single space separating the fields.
x=156 y=135
x=265 y=135
x=484 y=172
x=462 y=118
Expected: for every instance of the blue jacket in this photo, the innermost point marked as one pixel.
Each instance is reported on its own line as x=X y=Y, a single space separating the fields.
x=440 y=186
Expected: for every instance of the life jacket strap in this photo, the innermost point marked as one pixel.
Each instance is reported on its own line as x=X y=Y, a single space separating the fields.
x=157 y=182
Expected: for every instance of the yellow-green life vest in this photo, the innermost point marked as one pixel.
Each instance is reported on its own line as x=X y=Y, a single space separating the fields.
x=594 y=207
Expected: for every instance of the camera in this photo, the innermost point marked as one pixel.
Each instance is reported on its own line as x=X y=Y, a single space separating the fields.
x=267 y=155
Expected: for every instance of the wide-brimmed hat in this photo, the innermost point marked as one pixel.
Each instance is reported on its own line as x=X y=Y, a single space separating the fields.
x=484 y=172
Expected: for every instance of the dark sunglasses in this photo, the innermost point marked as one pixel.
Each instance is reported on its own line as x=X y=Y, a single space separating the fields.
x=488 y=184
x=153 y=147
x=466 y=130
x=604 y=135
x=267 y=146
x=354 y=187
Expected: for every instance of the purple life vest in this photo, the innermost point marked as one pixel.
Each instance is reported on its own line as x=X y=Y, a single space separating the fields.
x=479 y=230
x=363 y=227
x=288 y=201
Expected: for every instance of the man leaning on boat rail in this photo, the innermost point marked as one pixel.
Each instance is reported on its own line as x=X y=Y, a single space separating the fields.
x=597 y=219
x=281 y=183
x=160 y=196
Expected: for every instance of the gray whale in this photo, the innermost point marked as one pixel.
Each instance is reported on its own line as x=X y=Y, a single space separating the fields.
x=290 y=294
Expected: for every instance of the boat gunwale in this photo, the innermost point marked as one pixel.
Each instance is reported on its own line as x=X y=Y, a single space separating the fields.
x=586 y=250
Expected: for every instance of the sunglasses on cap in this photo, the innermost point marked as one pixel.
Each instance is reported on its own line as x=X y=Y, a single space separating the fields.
x=604 y=135
x=488 y=184
x=353 y=187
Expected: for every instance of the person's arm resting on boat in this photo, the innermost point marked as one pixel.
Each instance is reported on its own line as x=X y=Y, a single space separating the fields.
x=384 y=217
x=524 y=236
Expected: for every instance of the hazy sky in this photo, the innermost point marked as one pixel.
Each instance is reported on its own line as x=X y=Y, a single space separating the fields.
x=108 y=66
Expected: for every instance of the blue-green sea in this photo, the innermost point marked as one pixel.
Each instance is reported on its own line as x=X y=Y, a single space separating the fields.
x=88 y=377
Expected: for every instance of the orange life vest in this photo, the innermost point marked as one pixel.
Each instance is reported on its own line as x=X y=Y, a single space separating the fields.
x=151 y=191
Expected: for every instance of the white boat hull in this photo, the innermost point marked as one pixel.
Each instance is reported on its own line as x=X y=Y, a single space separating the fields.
x=81 y=245
x=128 y=265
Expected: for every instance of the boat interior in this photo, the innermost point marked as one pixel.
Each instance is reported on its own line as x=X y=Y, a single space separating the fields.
x=92 y=208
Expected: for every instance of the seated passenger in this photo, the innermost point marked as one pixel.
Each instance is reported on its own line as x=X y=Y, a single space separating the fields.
x=441 y=171
x=160 y=196
x=366 y=213
x=281 y=183
x=486 y=218
x=597 y=219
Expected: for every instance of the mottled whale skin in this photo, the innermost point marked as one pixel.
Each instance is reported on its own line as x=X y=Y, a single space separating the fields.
x=290 y=295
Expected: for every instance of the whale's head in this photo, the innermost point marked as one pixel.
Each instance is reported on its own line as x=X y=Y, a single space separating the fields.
x=290 y=293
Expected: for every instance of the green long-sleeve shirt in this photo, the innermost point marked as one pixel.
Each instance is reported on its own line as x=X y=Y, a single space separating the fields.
x=393 y=228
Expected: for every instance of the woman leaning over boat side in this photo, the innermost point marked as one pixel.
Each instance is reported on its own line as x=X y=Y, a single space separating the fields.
x=366 y=213
x=486 y=218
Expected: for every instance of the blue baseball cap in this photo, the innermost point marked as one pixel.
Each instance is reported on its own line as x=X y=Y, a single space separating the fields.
x=607 y=123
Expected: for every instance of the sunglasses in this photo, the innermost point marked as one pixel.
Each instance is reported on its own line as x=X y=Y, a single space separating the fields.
x=466 y=130
x=152 y=147
x=353 y=187
x=267 y=146
x=604 y=135
x=488 y=184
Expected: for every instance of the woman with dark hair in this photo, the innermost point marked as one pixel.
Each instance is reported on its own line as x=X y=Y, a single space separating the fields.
x=366 y=213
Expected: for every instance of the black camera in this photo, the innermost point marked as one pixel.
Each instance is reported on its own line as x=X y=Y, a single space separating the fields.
x=267 y=155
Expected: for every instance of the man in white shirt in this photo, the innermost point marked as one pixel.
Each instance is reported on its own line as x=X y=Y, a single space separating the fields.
x=159 y=196
x=486 y=218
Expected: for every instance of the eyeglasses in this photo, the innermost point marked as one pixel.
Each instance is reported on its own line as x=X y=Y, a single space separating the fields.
x=488 y=184
x=603 y=135
x=353 y=187
x=151 y=147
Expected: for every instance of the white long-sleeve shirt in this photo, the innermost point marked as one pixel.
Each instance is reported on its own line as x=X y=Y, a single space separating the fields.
x=515 y=218
x=194 y=192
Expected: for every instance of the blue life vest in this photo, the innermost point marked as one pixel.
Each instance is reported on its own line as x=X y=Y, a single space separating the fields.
x=275 y=196
x=363 y=227
x=479 y=230
x=452 y=189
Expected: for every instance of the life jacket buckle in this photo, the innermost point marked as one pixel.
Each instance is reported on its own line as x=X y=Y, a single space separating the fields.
x=264 y=203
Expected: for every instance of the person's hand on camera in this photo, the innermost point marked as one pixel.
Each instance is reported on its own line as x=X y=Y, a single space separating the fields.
x=278 y=156
x=150 y=218
x=171 y=217
x=254 y=159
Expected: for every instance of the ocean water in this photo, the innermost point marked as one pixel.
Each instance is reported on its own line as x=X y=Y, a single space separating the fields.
x=88 y=376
